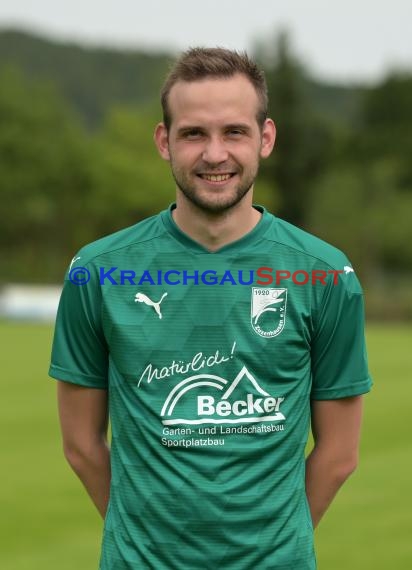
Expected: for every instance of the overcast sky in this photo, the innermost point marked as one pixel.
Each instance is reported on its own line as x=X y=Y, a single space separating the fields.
x=344 y=40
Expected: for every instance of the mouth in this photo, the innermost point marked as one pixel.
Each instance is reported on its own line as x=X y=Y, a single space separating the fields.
x=216 y=178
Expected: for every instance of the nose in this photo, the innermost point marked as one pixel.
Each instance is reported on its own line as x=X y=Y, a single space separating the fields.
x=215 y=151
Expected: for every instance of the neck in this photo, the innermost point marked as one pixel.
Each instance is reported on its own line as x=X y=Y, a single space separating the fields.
x=215 y=230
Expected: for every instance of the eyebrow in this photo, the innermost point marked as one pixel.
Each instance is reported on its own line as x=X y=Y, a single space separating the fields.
x=188 y=128
x=240 y=126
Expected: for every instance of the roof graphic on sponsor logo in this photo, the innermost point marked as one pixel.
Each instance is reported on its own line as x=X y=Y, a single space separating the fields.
x=244 y=382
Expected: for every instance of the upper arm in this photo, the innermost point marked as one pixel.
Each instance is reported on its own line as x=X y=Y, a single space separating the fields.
x=83 y=414
x=336 y=426
x=80 y=351
x=338 y=350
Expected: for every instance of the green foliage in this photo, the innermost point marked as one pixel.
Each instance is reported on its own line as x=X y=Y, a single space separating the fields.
x=362 y=210
x=385 y=129
x=304 y=141
x=92 y=79
x=131 y=181
x=62 y=187
x=43 y=173
x=341 y=165
x=389 y=105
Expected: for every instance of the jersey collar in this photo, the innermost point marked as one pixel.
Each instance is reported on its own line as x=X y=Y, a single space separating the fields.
x=245 y=241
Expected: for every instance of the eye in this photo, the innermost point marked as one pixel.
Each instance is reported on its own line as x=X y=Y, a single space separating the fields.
x=235 y=132
x=192 y=134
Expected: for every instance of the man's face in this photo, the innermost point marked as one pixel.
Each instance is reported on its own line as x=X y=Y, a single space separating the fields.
x=214 y=143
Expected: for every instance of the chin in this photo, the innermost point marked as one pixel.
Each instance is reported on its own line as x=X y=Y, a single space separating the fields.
x=215 y=204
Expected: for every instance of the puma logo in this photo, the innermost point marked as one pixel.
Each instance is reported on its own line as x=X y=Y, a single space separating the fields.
x=142 y=298
x=347 y=269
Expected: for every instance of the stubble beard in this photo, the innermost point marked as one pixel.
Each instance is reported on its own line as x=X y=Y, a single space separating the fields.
x=218 y=201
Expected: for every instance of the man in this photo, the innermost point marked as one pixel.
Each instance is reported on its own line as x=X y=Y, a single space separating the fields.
x=212 y=334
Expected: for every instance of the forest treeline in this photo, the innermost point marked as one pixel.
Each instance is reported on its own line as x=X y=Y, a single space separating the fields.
x=77 y=159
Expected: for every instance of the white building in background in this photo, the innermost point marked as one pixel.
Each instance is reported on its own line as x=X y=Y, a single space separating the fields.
x=29 y=302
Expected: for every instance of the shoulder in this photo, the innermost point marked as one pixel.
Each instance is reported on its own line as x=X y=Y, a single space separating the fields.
x=139 y=233
x=305 y=250
x=305 y=244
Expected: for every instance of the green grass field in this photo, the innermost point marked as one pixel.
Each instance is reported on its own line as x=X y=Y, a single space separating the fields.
x=48 y=523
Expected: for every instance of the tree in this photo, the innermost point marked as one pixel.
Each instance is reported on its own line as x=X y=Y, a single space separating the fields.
x=44 y=177
x=303 y=140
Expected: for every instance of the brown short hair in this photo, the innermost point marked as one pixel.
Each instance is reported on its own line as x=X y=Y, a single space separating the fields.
x=199 y=63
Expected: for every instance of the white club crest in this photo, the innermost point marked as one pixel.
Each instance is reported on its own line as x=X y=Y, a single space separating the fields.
x=268 y=311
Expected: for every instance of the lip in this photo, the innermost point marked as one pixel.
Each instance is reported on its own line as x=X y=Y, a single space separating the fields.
x=216 y=182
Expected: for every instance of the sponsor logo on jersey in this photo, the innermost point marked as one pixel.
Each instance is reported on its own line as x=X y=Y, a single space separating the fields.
x=211 y=399
x=348 y=269
x=142 y=298
x=268 y=311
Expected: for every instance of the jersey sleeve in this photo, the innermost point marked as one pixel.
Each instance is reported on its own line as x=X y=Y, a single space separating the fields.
x=79 y=353
x=338 y=352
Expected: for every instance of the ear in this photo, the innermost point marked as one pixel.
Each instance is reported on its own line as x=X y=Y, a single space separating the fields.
x=268 y=138
x=161 y=141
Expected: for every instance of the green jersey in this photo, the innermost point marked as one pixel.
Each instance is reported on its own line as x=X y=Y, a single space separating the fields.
x=211 y=360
